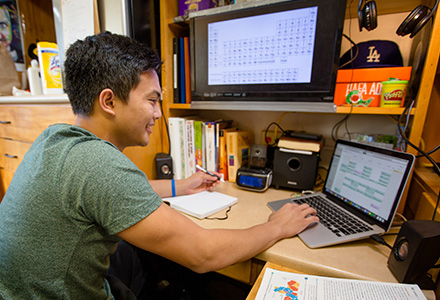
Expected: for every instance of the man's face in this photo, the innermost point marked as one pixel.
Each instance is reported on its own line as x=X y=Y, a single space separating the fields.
x=137 y=117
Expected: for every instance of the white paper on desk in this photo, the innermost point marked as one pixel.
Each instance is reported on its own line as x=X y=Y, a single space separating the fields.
x=201 y=205
x=281 y=285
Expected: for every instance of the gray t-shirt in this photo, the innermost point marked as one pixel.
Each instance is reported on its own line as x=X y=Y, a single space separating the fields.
x=58 y=220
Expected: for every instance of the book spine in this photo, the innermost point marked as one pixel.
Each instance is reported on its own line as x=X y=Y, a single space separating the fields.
x=203 y=145
x=223 y=157
x=231 y=155
x=210 y=146
x=182 y=147
x=175 y=147
x=198 y=143
x=176 y=71
x=187 y=70
x=182 y=71
x=190 y=163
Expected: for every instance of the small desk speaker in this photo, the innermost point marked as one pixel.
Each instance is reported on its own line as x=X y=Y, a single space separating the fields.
x=164 y=166
x=294 y=170
x=415 y=251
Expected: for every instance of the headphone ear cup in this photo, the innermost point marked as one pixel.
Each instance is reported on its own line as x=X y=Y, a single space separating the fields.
x=370 y=14
x=411 y=22
x=360 y=15
x=367 y=15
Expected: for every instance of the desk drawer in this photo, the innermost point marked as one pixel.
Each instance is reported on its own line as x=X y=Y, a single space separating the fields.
x=26 y=122
x=12 y=153
x=5 y=180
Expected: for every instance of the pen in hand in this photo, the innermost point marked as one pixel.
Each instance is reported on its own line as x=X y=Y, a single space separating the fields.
x=210 y=173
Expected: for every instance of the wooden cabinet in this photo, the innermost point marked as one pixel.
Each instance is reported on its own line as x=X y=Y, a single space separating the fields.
x=423 y=194
x=20 y=125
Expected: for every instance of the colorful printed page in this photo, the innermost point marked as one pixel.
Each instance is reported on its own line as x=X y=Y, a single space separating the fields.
x=281 y=285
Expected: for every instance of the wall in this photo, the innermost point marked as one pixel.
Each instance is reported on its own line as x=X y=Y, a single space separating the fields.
x=309 y=122
x=385 y=30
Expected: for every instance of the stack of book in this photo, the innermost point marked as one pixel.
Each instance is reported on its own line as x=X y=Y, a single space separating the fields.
x=214 y=145
x=181 y=70
x=301 y=142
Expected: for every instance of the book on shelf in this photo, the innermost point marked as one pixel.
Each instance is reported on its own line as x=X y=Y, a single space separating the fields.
x=198 y=142
x=210 y=146
x=189 y=150
x=182 y=70
x=201 y=205
x=219 y=125
x=238 y=148
x=187 y=70
x=176 y=71
x=300 y=144
x=222 y=153
x=176 y=132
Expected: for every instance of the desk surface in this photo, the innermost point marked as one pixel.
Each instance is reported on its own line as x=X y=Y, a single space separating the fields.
x=366 y=260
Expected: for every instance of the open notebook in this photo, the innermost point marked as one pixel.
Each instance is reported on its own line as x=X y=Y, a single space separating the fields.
x=361 y=193
x=201 y=205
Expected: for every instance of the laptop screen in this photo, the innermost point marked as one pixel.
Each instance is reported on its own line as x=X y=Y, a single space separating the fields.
x=368 y=179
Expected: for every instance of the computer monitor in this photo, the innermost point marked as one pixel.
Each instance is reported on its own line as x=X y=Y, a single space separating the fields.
x=281 y=52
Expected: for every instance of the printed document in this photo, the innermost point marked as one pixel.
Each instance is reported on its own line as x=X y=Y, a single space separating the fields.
x=282 y=285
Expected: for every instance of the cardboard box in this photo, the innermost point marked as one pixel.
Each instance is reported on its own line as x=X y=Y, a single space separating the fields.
x=363 y=87
x=187 y=6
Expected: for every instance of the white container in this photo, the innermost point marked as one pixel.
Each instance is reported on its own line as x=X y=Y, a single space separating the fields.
x=34 y=78
x=50 y=68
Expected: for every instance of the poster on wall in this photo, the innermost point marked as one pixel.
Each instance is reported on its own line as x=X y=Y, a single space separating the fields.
x=10 y=32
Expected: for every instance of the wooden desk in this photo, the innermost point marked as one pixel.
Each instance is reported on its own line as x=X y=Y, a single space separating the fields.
x=366 y=260
x=253 y=293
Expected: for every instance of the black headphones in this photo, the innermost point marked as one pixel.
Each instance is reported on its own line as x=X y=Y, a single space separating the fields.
x=367 y=15
x=416 y=20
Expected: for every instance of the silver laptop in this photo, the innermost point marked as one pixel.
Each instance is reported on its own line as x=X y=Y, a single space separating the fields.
x=365 y=184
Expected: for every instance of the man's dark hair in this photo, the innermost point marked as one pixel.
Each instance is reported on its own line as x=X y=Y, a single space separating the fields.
x=103 y=61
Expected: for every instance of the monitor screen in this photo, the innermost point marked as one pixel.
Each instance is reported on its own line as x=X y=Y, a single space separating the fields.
x=287 y=51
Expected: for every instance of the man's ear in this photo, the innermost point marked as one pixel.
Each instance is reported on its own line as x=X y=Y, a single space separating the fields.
x=106 y=101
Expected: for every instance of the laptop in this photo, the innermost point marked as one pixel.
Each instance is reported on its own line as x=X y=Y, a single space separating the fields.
x=363 y=182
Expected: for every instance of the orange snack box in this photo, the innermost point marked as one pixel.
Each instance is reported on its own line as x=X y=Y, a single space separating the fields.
x=363 y=87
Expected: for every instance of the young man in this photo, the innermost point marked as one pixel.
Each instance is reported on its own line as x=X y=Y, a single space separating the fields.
x=75 y=195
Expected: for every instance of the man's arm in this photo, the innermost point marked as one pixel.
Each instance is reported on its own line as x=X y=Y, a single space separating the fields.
x=172 y=235
x=198 y=182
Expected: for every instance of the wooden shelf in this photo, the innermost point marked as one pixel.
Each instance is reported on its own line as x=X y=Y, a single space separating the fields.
x=371 y=110
x=179 y=106
x=60 y=98
x=339 y=110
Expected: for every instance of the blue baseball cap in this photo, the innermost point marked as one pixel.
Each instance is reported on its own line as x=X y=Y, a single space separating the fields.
x=372 y=54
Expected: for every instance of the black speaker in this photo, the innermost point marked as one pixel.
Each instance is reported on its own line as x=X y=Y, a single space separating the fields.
x=164 y=166
x=258 y=157
x=294 y=170
x=415 y=251
x=367 y=15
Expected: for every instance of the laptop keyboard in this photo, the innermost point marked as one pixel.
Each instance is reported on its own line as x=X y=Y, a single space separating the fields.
x=337 y=221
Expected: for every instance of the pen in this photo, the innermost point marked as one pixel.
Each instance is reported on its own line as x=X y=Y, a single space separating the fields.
x=210 y=173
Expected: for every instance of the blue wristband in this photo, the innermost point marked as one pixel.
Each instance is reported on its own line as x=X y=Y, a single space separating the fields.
x=173 y=188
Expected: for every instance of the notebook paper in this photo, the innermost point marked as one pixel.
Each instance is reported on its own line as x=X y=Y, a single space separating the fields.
x=201 y=205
